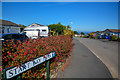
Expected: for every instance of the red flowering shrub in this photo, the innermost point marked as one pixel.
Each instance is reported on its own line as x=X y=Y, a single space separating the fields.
x=15 y=54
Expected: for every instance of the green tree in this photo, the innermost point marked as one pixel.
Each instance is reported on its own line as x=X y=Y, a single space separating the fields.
x=82 y=33
x=23 y=27
x=58 y=29
x=68 y=27
x=75 y=32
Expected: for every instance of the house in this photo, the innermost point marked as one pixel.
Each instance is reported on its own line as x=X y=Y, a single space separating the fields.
x=77 y=35
x=110 y=32
x=36 y=30
x=9 y=27
x=99 y=32
x=35 y=25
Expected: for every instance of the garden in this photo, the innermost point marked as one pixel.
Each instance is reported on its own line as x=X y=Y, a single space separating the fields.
x=16 y=54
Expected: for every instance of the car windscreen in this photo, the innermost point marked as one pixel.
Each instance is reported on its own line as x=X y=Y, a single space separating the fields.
x=29 y=30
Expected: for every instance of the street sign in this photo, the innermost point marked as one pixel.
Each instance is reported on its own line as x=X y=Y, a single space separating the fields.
x=20 y=69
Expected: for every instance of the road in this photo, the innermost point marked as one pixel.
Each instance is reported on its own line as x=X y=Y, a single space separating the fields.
x=106 y=51
x=84 y=64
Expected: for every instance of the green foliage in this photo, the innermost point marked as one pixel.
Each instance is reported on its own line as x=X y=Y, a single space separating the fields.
x=58 y=29
x=68 y=32
x=82 y=33
x=23 y=27
x=75 y=32
x=113 y=37
x=119 y=39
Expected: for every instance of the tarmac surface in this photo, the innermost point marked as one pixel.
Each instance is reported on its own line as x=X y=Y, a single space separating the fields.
x=84 y=64
x=107 y=51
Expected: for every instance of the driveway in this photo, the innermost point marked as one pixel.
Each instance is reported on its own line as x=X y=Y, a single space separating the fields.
x=106 y=51
x=84 y=64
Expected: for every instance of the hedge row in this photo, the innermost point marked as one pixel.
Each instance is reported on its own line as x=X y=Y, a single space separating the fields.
x=15 y=54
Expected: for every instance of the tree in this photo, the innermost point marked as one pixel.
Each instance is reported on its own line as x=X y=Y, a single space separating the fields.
x=58 y=29
x=23 y=27
x=75 y=32
x=68 y=32
x=68 y=27
x=82 y=33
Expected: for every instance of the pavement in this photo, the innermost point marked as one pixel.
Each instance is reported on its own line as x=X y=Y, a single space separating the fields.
x=84 y=64
x=106 y=51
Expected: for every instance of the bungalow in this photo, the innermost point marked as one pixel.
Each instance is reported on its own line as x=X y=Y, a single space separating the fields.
x=99 y=32
x=110 y=32
x=9 y=27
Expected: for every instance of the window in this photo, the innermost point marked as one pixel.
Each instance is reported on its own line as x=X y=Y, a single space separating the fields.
x=44 y=30
x=37 y=30
x=8 y=30
x=15 y=36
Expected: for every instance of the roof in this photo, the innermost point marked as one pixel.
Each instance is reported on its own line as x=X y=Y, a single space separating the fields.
x=92 y=32
x=36 y=24
x=7 y=23
x=99 y=31
x=113 y=30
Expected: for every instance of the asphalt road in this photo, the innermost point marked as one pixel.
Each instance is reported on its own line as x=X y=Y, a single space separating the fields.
x=106 y=51
x=84 y=64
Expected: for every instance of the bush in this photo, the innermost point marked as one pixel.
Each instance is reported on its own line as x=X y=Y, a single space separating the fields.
x=19 y=53
x=119 y=39
x=114 y=37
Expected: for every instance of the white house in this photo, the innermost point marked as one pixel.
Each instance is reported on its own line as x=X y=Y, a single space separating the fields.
x=9 y=27
x=36 y=30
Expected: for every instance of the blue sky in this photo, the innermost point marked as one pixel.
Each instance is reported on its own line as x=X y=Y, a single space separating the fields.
x=84 y=16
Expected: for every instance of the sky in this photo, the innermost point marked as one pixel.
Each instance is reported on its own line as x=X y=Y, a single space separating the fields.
x=81 y=16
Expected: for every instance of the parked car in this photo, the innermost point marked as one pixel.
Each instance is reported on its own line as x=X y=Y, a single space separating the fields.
x=15 y=36
x=103 y=36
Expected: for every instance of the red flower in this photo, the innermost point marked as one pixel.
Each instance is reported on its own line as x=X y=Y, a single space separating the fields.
x=59 y=50
x=35 y=50
x=41 y=75
x=9 y=53
x=15 y=45
x=29 y=58
x=12 y=58
x=1 y=69
x=6 y=60
x=44 y=56
x=28 y=74
x=34 y=74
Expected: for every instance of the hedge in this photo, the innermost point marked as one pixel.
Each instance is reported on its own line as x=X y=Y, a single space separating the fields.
x=15 y=54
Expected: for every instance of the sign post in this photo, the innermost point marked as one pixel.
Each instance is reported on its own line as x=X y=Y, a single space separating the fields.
x=48 y=70
x=14 y=71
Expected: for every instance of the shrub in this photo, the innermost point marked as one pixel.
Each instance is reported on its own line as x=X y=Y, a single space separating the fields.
x=119 y=39
x=113 y=37
x=19 y=53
